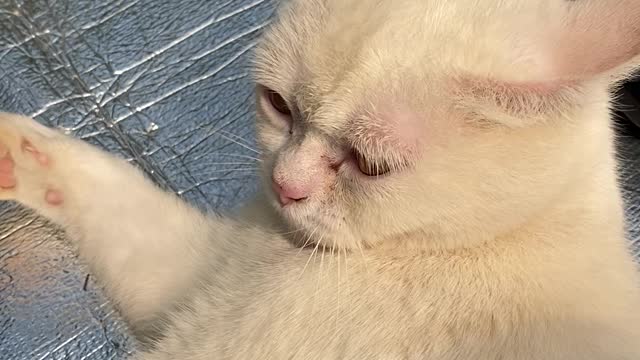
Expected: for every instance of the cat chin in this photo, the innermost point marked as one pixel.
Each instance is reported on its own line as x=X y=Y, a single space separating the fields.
x=311 y=227
x=326 y=234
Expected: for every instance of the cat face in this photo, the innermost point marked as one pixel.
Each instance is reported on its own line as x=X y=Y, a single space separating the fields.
x=431 y=122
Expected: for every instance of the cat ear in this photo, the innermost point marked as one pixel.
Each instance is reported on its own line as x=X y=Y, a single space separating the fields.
x=590 y=40
x=594 y=38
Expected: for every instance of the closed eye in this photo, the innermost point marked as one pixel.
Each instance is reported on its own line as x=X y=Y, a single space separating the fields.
x=369 y=167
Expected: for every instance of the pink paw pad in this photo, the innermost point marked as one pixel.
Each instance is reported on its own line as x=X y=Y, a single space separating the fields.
x=7 y=179
x=53 y=197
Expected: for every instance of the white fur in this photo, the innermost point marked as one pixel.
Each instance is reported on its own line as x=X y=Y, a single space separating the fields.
x=498 y=234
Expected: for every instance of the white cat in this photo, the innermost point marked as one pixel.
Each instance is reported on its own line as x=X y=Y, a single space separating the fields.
x=439 y=183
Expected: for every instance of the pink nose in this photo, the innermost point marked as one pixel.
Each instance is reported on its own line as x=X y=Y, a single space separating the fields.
x=289 y=193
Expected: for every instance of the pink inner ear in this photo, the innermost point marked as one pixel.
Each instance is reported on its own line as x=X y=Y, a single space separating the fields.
x=598 y=36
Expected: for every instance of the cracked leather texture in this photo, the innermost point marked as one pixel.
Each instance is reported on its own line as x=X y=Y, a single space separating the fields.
x=163 y=83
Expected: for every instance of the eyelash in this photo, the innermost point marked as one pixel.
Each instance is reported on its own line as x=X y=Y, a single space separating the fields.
x=371 y=168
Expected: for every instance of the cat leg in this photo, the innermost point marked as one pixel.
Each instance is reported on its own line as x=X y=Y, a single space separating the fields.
x=145 y=245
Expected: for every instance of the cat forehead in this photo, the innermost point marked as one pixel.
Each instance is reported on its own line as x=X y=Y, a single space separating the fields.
x=318 y=42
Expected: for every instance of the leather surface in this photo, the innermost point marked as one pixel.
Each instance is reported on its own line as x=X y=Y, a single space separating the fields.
x=163 y=83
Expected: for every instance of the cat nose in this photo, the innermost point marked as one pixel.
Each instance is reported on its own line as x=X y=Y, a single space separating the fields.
x=288 y=194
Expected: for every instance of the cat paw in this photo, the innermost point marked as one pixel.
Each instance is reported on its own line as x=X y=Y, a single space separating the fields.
x=26 y=161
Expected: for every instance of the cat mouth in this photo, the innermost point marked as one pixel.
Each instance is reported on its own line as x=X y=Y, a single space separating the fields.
x=305 y=217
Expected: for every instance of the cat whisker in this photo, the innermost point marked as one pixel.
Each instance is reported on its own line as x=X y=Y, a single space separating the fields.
x=231 y=139
x=290 y=232
x=322 y=257
x=215 y=163
x=364 y=260
x=337 y=314
x=309 y=236
x=239 y=156
x=312 y=253
x=235 y=136
x=346 y=278
x=199 y=184
x=346 y=267
x=320 y=273
x=232 y=170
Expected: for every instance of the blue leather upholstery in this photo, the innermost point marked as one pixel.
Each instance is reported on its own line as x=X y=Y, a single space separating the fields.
x=161 y=82
x=164 y=83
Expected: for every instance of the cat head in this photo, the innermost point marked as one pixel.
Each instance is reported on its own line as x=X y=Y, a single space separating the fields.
x=445 y=122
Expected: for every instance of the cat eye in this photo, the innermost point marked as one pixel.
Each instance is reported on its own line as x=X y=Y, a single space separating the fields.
x=278 y=103
x=370 y=168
